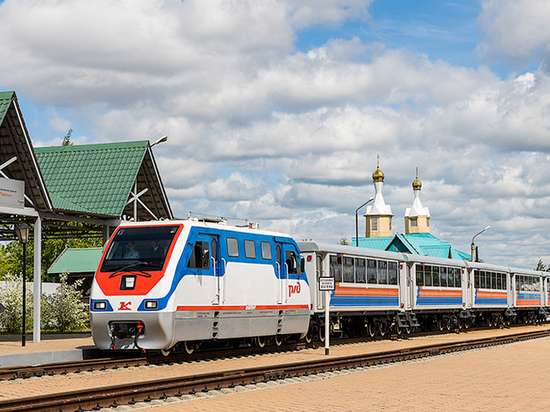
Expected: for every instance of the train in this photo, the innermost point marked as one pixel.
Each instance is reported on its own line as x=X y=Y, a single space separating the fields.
x=176 y=284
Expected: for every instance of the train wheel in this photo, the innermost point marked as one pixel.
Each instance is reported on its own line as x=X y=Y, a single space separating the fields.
x=309 y=336
x=440 y=325
x=166 y=352
x=190 y=346
x=371 y=329
x=278 y=340
x=398 y=330
x=321 y=333
x=260 y=341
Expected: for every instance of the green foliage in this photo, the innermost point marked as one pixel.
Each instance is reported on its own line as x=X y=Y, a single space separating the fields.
x=11 y=297
x=542 y=267
x=343 y=241
x=63 y=310
x=67 y=139
x=11 y=254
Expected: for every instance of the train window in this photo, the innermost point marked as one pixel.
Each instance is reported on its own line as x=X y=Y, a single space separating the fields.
x=382 y=272
x=348 y=270
x=250 y=249
x=200 y=256
x=419 y=275
x=291 y=262
x=371 y=271
x=494 y=280
x=335 y=268
x=476 y=279
x=482 y=280
x=427 y=275
x=536 y=283
x=392 y=273
x=435 y=276
x=232 y=247
x=360 y=271
x=443 y=277
x=458 y=278
x=266 y=250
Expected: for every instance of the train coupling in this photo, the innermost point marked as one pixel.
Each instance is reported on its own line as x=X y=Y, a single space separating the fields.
x=124 y=335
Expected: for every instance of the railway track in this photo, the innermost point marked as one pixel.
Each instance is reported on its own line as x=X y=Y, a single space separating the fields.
x=125 y=362
x=96 y=398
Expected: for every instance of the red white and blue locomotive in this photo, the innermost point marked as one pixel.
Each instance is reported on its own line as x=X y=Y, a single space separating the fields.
x=169 y=284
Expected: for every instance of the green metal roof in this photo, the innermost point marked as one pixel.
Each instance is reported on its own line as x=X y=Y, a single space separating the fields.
x=5 y=100
x=77 y=261
x=93 y=179
x=424 y=244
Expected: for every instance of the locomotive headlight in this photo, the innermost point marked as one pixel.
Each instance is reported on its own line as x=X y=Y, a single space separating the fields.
x=100 y=305
x=127 y=282
x=151 y=304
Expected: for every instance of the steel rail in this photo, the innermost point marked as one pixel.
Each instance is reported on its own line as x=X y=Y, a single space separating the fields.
x=96 y=398
x=127 y=361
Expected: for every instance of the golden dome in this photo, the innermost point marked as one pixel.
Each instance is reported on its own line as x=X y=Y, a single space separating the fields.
x=417 y=185
x=378 y=175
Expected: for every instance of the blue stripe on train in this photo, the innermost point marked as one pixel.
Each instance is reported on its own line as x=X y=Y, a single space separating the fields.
x=363 y=301
x=491 y=301
x=431 y=301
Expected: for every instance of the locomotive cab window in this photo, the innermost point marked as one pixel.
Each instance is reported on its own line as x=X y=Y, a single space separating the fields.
x=140 y=248
x=200 y=256
x=266 y=250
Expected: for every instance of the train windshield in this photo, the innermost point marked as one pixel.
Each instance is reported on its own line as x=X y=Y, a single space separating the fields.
x=139 y=248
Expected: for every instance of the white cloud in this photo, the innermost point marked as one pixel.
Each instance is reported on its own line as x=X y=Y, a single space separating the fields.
x=260 y=130
x=516 y=29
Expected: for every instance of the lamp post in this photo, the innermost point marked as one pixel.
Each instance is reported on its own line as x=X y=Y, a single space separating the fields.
x=22 y=232
x=161 y=140
x=473 y=246
x=357 y=223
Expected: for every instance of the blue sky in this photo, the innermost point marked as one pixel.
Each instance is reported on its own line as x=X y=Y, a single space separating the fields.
x=276 y=110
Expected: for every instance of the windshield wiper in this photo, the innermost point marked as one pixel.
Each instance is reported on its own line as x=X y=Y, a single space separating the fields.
x=125 y=269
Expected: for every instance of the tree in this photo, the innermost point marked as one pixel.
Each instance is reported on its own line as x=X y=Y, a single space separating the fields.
x=11 y=297
x=10 y=254
x=542 y=267
x=67 y=139
x=343 y=241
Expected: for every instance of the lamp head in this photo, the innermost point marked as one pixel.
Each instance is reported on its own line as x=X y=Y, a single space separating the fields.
x=22 y=233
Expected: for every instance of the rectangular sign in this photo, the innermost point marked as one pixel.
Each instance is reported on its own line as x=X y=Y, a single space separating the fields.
x=326 y=284
x=12 y=193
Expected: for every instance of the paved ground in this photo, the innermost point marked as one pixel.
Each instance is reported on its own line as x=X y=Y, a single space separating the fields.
x=509 y=378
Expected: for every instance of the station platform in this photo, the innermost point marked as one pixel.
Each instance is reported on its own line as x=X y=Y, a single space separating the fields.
x=50 y=349
x=504 y=378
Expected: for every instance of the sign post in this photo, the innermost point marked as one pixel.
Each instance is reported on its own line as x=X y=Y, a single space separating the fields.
x=326 y=284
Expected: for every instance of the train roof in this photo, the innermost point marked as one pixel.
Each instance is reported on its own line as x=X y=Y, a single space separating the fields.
x=207 y=223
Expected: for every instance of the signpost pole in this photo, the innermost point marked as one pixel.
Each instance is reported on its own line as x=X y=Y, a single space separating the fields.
x=327 y=322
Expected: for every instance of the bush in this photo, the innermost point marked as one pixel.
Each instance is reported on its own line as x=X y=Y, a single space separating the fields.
x=63 y=310
x=12 y=298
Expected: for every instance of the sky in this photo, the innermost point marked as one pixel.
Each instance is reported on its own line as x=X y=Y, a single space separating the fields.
x=276 y=111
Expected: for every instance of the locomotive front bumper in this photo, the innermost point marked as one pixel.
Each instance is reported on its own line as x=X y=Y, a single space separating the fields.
x=135 y=332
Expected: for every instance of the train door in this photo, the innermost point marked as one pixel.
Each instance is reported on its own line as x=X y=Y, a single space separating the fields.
x=281 y=272
x=409 y=285
x=510 y=289
x=319 y=273
x=205 y=259
x=468 y=286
